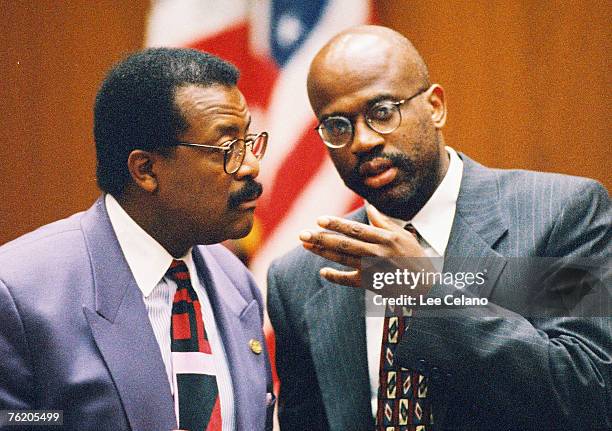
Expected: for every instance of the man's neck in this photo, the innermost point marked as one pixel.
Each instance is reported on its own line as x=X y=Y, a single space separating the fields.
x=149 y=219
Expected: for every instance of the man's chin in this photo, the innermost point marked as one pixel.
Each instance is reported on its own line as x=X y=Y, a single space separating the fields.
x=395 y=200
x=243 y=226
x=387 y=194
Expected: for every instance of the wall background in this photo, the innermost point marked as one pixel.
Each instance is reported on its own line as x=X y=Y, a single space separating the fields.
x=527 y=85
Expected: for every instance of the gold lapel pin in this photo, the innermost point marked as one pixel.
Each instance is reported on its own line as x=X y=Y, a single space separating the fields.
x=255 y=346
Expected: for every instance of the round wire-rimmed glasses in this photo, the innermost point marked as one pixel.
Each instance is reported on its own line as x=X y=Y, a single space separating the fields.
x=235 y=150
x=383 y=117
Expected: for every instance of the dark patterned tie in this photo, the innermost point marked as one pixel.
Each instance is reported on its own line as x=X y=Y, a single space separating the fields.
x=402 y=393
x=198 y=394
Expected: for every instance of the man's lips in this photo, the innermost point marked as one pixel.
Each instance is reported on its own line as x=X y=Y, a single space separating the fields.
x=250 y=201
x=378 y=172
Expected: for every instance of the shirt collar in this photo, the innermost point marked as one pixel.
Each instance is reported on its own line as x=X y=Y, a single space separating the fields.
x=147 y=259
x=435 y=220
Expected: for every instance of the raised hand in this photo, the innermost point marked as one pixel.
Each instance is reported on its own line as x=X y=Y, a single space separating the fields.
x=346 y=242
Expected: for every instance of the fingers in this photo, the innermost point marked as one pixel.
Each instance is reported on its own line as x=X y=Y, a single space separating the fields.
x=378 y=219
x=345 y=278
x=340 y=244
x=354 y=229
x=343 y=259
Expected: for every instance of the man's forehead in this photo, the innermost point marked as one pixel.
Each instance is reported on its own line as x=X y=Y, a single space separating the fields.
x=367 y=59
x=211 y=100
x=346 y=58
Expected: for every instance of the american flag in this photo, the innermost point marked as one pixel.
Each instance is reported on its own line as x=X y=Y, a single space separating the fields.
x=272 y=43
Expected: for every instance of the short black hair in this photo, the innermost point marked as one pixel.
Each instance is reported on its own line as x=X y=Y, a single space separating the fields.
x=135 y=105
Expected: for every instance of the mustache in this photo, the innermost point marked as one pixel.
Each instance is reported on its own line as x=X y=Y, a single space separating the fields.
x=398 y=160
x=251 y=190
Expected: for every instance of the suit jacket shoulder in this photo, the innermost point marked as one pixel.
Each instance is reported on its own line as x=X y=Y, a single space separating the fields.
x=32 y=249
x=543 y=214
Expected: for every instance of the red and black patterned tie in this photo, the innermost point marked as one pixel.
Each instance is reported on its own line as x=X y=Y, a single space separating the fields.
x=402 y=393
x=198 y=394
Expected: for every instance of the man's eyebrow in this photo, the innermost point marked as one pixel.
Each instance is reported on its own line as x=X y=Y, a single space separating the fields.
x=232 y=129
x=335 y=114
x=368 y=104
x=380 y=98
x=228 y=129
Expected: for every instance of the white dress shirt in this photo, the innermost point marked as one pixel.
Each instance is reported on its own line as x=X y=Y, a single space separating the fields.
x=433 y=223
x=149 y=261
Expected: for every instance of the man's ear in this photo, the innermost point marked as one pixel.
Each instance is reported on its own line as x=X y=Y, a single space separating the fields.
x=141 y=166
x=437 y=101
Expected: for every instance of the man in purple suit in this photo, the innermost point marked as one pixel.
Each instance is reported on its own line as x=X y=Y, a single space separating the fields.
x=130 y=316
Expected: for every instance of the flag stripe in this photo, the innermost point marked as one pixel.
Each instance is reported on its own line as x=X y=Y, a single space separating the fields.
x=290 y=179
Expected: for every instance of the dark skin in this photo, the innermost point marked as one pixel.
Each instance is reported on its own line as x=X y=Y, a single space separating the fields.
x=185 y=198
x=396 y=172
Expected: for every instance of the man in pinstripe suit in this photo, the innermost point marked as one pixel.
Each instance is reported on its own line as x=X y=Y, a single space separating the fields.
x=494 y=367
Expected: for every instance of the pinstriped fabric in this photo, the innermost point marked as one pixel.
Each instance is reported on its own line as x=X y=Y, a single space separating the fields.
x=545 y=215
x=530 y=215
x=330 y=302
x=158 y=303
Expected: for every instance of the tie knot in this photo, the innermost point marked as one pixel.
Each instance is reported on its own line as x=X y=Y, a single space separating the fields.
x=178 y=271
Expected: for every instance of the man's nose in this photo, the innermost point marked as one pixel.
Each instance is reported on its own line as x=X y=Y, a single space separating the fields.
x=364 y=138
x=250 y=165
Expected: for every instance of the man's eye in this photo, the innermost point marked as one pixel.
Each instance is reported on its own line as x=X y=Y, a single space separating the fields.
x=381 y=112
x=337 y=127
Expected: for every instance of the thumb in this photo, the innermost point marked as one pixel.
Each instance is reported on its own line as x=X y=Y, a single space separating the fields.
x=378 y=219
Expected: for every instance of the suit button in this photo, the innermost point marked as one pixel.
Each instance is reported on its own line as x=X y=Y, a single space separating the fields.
x=421 y=366
x=255 y=346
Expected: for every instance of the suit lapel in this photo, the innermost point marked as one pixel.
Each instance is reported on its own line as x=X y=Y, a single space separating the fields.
x=479 y=223
x=121 y=329
x=336 y=329
x=238 y=322
x=478 y=205
x=468 y=252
